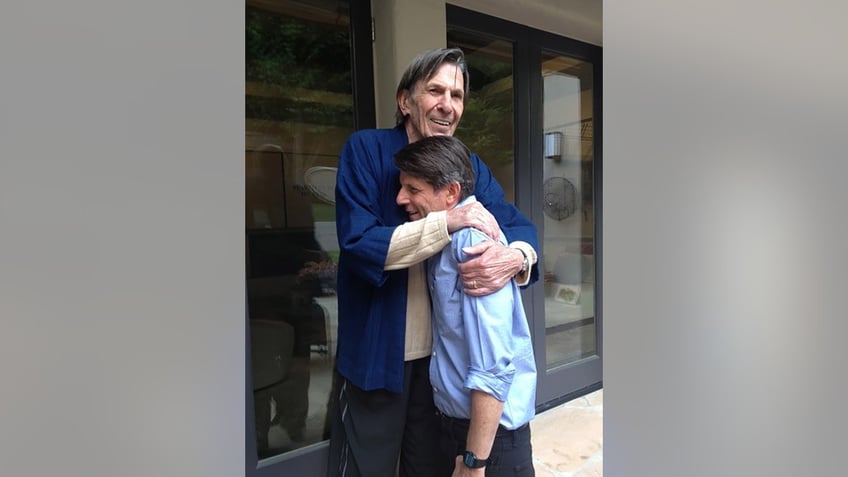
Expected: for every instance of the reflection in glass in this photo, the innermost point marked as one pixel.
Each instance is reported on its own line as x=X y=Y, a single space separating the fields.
x=299 y=112
x=486 y=126
x=567 y=202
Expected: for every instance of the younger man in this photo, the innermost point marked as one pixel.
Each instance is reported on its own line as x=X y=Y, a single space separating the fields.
x=482 y=367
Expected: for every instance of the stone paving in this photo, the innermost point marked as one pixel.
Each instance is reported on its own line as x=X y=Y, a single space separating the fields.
x=568 y=439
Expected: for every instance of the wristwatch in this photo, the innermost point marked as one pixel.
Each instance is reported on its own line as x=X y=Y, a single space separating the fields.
x=526 y=265
x=470 y=460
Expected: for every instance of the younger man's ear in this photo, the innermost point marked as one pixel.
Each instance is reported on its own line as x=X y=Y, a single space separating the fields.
x=454 y=192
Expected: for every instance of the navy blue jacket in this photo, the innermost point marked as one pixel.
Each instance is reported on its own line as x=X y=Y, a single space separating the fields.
x=372 y=301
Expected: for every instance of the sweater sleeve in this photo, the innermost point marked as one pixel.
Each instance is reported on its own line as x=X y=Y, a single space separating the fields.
x=523 y=278
x=414 y=242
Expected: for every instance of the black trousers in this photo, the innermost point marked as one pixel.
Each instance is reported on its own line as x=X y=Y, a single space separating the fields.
x=383 y=434
x=512 y=452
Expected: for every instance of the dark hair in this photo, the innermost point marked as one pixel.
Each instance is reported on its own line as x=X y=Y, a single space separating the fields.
x=425 y=66
x=438 y=160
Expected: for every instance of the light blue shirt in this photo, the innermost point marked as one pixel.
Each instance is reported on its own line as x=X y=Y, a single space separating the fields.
x=480 y=343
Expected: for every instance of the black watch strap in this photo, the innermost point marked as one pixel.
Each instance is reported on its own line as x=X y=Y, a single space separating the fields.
x=526 y=265
x=470 y=460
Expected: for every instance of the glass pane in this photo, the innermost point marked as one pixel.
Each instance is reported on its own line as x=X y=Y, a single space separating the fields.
x=299 y=112
x=568 y=239
x=486 y=126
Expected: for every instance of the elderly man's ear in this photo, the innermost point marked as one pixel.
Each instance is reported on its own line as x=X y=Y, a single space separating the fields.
x=402 y=101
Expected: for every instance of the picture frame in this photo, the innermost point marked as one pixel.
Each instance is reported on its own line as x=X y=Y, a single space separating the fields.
x=567 y=294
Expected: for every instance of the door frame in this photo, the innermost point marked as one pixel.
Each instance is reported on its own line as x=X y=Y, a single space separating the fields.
x=566 y=382
x=311 y=461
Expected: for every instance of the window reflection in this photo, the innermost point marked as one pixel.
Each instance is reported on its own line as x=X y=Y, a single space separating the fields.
x=487 y=121
x=569 y=217
x=299 y=112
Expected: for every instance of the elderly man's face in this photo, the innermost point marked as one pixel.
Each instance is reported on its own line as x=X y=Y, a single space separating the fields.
x=435 y=106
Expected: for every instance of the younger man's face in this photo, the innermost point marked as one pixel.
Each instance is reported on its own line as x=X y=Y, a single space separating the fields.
x=419 y=198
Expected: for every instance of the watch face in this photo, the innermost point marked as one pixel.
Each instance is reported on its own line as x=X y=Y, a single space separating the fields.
x=470 y=460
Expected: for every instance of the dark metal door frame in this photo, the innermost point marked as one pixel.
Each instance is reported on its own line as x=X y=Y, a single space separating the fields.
x=574 y=379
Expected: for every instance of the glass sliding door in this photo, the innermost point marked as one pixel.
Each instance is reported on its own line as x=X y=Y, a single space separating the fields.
x=551 y=114
x=299 y=110
x=567 y=200
x=487 y=123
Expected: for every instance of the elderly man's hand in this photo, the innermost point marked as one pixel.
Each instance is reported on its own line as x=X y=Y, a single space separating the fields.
x=491 y=270
x=473 y=215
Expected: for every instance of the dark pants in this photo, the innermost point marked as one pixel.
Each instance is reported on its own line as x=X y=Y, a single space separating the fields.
x=383 y=434
x=512 y=453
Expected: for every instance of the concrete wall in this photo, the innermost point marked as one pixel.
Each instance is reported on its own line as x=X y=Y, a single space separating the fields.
x=404 y=28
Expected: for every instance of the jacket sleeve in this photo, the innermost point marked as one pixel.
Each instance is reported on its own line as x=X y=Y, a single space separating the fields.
x=363 y=235
x=513 y=223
